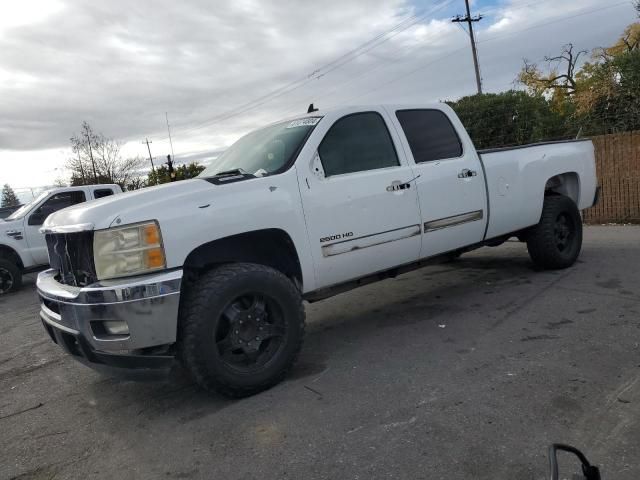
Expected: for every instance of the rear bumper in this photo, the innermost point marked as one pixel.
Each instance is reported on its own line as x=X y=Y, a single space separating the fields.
x=145 y=308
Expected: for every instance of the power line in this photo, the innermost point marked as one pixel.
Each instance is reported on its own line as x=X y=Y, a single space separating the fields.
x=451 y=52
x=410 y=21
x=331 y=66
x=321 y=71
x=318 y=72
x=551 y=22
x=328 y=92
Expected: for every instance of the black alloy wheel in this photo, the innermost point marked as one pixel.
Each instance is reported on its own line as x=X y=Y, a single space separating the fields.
x=10 y=276
x=6 y=280
x=250 y=333
x=564 y=231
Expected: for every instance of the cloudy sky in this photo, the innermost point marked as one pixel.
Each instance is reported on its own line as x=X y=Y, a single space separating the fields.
x=220 y=68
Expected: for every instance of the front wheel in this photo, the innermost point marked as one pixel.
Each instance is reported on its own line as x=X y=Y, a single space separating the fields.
x=555 y=242
x=10 y=276
x=241 y=328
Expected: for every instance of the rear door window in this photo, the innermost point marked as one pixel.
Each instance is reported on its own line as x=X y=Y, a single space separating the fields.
x=357 y=143
x=430 y=134
x=103 y=192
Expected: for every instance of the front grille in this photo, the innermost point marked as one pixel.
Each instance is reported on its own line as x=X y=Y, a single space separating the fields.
x=71 y=254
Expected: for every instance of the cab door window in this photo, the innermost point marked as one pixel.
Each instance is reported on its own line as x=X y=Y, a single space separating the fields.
x=357 y=143
x=53 y=204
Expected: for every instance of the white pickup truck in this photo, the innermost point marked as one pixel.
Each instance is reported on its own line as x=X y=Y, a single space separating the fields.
x=22 y=246
x=213 y=271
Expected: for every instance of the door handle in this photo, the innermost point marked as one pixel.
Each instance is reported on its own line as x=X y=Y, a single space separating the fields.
x=398 y=185
x=15 y=234
x=466 y=173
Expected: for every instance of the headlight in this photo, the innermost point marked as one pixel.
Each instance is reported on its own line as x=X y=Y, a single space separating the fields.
x=128 y=250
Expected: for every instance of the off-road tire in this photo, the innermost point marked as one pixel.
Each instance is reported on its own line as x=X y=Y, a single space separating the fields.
x=544 y=241
x=7 y=267
x=201 y=309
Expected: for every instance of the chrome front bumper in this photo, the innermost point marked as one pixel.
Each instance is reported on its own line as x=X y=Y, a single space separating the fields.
x=75 y=318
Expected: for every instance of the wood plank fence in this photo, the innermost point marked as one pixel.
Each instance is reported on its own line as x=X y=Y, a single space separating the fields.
x=618 y=169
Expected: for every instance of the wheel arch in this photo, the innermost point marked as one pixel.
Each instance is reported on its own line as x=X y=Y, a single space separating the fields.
x=11 y=254
x=567 y=184
x=272 y=247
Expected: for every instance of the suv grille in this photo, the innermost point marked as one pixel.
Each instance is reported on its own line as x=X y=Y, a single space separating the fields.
x=71 y=254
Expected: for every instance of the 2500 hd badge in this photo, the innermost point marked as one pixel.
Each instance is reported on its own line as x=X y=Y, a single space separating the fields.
x=340 y=236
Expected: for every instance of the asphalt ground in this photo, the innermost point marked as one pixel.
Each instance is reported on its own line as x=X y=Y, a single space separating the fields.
x=466 y=370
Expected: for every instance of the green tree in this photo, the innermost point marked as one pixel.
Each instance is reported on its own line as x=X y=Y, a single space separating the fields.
x=608 y=99
x=9 y=198
x=509 y=118
x=612 y=102
x=182 y=172
x=599 y=96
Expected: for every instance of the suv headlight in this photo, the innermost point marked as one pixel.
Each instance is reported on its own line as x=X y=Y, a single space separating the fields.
x=128 y=250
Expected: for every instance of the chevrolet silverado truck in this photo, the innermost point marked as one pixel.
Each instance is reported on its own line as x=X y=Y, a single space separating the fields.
x=22 y=246
x=212 y=272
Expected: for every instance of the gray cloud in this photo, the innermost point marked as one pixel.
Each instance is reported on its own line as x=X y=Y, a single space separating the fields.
x=120 y=64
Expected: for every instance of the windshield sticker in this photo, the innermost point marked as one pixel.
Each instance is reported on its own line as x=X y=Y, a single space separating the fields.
x=304 y=122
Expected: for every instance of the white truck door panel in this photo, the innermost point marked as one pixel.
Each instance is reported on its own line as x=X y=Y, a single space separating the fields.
x=361 y=210
x=451 y=183
x=33 y=222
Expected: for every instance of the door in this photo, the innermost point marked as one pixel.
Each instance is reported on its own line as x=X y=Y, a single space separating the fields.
x=34 y=221
x=360 y=207
x=451 y=182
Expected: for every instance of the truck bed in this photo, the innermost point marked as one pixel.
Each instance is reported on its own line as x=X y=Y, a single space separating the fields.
x=517 y=176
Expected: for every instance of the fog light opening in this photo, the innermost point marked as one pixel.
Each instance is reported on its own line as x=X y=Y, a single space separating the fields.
x=110 y=330
x=115 y=327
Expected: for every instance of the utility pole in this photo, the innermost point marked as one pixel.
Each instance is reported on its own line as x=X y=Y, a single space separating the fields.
x=169 y=131
x=469 y=20
x=146 y=140
x=93 y=163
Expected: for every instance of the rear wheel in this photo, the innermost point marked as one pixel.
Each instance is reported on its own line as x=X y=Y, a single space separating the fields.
x=10 y=276
x=241 y=328
x=557 y=240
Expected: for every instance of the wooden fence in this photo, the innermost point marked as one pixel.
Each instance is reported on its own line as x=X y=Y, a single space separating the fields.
x=618 y=169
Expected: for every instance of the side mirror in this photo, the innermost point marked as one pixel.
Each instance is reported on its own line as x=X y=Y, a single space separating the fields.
x=589 y=472
x=36 y=218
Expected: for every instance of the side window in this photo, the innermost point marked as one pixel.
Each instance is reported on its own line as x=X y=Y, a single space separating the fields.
x=103 y=192
x=356 y=143
x=430 y=134
x=54 y=203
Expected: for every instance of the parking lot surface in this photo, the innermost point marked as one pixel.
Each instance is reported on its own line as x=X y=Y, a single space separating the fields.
x=466 y=370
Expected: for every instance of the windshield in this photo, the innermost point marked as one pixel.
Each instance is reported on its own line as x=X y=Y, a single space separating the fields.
x=264 y=151
x=25 y=208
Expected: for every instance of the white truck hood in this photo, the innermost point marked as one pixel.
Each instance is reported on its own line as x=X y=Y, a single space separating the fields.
x=130 y=207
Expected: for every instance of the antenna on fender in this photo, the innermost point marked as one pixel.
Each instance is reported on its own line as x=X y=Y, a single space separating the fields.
x=311 y=108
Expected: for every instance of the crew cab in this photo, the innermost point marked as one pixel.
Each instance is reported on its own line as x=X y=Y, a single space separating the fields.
x=22 y=246
x=213 y=271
